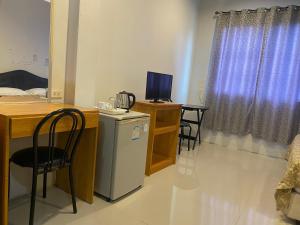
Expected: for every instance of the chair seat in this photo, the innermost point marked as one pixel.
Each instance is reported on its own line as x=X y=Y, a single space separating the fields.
x=24 y=157
x=184 y=124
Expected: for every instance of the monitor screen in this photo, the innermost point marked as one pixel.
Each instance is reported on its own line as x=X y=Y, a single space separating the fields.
x=159 y=86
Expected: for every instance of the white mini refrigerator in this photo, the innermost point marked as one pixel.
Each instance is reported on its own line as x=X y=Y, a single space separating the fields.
x=121 y=156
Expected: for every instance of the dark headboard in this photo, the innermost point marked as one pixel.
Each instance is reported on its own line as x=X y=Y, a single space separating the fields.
x=22 y=79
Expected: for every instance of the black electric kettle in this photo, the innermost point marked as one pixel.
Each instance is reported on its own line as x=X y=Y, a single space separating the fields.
x=125 y=100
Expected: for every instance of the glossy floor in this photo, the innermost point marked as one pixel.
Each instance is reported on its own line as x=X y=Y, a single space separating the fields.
x=208 y=186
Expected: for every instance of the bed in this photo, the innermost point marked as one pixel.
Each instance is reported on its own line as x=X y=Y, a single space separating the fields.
x=22 y=86
x=287 y=194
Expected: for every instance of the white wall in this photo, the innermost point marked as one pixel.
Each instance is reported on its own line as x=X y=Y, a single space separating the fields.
x=119 y=41
x=24 y=36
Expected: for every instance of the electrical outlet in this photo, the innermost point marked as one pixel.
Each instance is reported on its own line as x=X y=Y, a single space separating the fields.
x=57 y=94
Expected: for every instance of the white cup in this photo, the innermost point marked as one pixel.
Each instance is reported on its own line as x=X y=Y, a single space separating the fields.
x=105 y=105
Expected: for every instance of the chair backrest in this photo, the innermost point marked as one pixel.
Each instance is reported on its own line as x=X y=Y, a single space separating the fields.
x=77 y=126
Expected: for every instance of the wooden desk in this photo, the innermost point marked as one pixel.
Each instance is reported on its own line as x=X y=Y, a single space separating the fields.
x=20 y=120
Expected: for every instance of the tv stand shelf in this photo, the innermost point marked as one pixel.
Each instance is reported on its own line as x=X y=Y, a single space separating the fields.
x=166 y=129
x=163 y=133
x=160 y=162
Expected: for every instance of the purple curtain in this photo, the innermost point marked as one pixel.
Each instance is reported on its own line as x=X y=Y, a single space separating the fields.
x=254 y=77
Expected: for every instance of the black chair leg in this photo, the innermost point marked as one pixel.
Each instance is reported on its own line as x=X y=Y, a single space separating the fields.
x=45 y=183
x=72 y=190
x=199 y=125
x=189 y=139
x=180 y=140
x=194 y=144
x=33 y=196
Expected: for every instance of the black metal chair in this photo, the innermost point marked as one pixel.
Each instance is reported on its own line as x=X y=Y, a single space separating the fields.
x=182 y=135
x=44 y=159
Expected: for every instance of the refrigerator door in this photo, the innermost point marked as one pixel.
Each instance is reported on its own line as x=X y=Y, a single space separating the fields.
x=130 y=155
x=105 y=156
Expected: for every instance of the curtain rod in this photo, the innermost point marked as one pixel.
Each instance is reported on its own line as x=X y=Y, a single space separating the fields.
x=255 y=10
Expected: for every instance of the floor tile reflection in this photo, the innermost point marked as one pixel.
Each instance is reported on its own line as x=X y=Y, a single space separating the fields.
x=207 y=186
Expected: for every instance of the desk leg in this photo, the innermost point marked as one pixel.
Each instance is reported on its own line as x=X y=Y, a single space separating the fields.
x=83 y=167
x=4 y=174
x=200 y=119
x=199 y=125
x=198 y=130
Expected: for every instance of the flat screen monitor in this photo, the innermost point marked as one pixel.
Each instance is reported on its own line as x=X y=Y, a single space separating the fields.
x=159 y=86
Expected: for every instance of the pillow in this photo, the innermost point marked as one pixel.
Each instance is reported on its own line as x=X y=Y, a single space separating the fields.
x=7 y=91
x=37 y=91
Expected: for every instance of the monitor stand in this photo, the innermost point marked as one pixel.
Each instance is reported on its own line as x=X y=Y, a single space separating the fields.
x=156 y=101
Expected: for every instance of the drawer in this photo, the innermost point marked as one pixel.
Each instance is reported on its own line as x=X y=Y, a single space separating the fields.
x=25 y=126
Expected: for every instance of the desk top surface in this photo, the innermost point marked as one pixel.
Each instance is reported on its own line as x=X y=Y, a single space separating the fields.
x=37 y=108
x=161 y=104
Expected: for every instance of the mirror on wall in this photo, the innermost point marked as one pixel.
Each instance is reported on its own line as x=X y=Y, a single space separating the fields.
x=24 y=44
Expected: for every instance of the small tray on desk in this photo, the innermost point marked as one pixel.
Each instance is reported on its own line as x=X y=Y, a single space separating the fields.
x=113 y=111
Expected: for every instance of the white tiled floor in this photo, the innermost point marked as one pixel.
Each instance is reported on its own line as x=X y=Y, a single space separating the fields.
x=208 y=186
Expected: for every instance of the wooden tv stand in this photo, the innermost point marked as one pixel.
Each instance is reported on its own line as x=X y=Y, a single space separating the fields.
x=163 y=133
